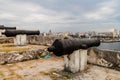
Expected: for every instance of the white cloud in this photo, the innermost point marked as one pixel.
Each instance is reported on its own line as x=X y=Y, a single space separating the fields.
x=105 y=10
x=7 y=16
x=27 y=14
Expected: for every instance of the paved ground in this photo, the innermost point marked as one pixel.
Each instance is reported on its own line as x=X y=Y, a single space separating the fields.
x=98 y=73
x=30 y=70
x=51 y=69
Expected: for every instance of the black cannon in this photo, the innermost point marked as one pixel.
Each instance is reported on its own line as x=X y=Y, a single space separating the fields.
x=67 y=46
x=10 y=28
x=7 y=28
x=13 y=33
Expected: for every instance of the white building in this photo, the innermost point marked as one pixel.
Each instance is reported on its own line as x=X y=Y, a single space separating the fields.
x=116 y=33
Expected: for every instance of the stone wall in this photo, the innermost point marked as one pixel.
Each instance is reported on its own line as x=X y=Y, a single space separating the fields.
x=6 y=39
x=104 y=58
x=32 y=39
x=12 y=57
x=41 y=40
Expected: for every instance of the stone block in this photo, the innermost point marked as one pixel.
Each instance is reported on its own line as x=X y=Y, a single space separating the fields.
x=20 y=40
x=76 y=61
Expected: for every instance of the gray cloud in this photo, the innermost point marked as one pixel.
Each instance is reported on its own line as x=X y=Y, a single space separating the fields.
x=60 y=15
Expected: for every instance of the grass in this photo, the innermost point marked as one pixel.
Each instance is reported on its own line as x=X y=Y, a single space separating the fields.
x=68 y=76
x=50 y=75
x=63 y=75
x=8 y=47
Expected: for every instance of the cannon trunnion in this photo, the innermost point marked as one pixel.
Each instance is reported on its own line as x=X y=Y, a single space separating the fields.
x=13 y=33
x=67 y=46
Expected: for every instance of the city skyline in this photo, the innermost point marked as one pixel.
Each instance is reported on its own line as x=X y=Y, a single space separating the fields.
x=61 y=15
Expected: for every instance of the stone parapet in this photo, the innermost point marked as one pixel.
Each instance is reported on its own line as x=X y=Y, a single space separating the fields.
x=106 y=58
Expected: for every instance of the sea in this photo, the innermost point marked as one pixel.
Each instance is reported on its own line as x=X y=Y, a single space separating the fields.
x=110 y=46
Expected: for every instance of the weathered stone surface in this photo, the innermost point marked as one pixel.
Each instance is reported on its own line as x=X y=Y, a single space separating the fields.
x=37 y=39
x=6 y=39
x=12 y=57
x=76 y=61
x=104 y=58
x=83 y=59
x=32 y=39
x=97 y=73
x=31 y=70
x=20 y=40
x=72 y=62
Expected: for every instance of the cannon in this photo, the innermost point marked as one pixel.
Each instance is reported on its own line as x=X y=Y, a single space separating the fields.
x=74 y=51
x=13 y=33
x=67 y=46
x=7 y=28
x=20 y=36
x=10 y=28
x=3 y=29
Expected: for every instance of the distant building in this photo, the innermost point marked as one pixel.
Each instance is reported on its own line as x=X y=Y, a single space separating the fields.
x=115 y=33
x=105 y=35
x=91 y=34
x=43 y=34
x=64 y=34
x=119 y=33
x=80 y=34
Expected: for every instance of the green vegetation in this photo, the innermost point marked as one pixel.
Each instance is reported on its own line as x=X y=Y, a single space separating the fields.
x=61 y=75
x=8 y=47
x=67 y=75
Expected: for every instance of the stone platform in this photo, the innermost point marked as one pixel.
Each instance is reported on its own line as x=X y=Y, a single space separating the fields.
x=51 y=69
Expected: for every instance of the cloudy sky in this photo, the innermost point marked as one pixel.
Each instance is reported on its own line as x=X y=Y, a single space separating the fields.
x=61 y=15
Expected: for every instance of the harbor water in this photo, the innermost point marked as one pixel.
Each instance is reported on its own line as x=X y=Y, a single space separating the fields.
x=110 y=46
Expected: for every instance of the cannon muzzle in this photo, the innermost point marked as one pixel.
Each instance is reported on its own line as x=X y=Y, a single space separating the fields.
x=67 y=46
x=13 y=33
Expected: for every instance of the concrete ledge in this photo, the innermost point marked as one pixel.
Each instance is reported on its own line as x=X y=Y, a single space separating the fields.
x=106 y=58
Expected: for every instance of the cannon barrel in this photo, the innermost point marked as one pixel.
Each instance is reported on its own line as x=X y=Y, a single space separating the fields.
x=67 y=46
x=13 y=33
x=7 y=28
x=3 y=27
